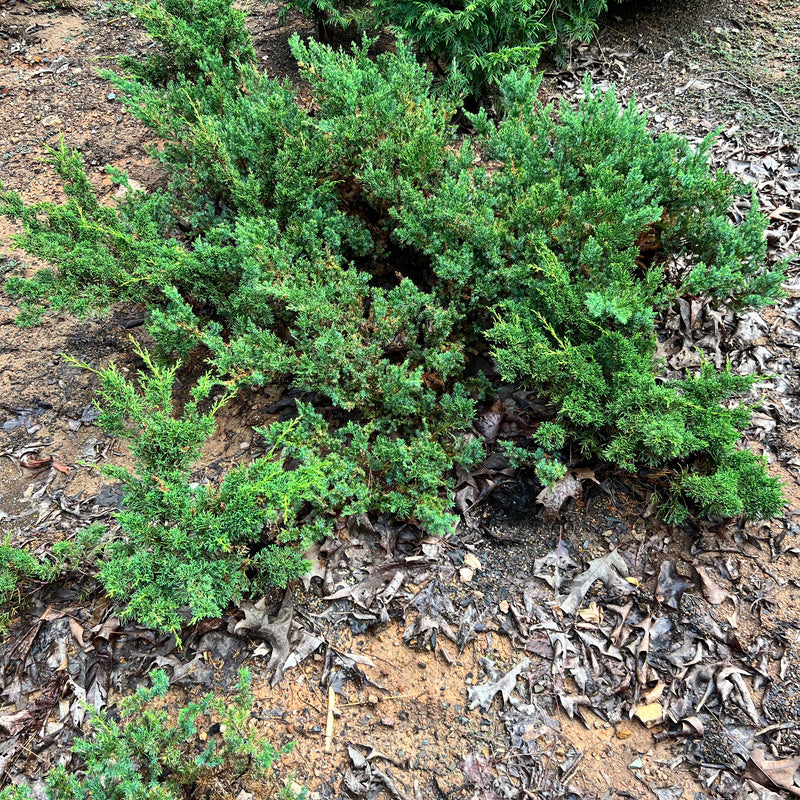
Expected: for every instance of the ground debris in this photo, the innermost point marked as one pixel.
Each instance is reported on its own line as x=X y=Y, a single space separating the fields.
x=483 y=695
x=611 y=569
x=774 y=774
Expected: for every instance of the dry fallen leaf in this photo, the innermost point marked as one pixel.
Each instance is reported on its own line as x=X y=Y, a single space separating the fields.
x=592 y=613
x=484 y=694
x=472 y=562
x=654 y=694
x=554 y=496
x=778 y=774
x=712 y=591
x=671 y=585
x=610 y=568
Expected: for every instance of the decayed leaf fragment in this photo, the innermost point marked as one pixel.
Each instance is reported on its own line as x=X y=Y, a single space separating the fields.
x=712 y=591
x=551 y=567
x=773 y=774
x=484 y=694
x=30 y=462
x=554 y=496
x=610 y=568
x=592 y=613
x=671 y=585
x=650 y=714
x=471 y=561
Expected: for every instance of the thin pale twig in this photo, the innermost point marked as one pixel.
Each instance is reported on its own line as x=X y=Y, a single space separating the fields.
x=739 y=84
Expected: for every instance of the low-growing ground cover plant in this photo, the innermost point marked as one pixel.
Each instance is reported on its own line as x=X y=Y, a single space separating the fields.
x=370 y=255
x=209 y=751
x=17 y=567
x=481 y=39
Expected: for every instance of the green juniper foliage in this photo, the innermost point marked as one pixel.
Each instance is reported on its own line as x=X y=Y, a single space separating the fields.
x=17 y=568
x=145 y=756
x=184 y=545
x=365 y=255
x=485 y=39
x=482 y=39
x=552 y=243
x=20 y=568
x=187 y=31
x=329 y=14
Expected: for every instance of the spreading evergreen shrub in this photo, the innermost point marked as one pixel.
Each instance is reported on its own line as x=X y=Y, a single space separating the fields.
x=182 y=544
x=485 y=39
x=17 y=565
x=481 y=39
x=208 y=751
x=22 y=571
x=369 y=257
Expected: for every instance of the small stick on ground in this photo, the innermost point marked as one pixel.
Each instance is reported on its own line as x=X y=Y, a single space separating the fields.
x=329 y=723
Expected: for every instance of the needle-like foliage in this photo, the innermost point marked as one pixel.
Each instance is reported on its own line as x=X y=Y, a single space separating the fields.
x=367 y=256
x=208 y=751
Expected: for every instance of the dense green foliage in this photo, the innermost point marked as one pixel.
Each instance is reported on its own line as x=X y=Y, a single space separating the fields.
x=22 y=572
x=482 y=39
x=366 y=256
x=187 y=32
x=17 y=566
x=181 y=544
x=146 y=756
